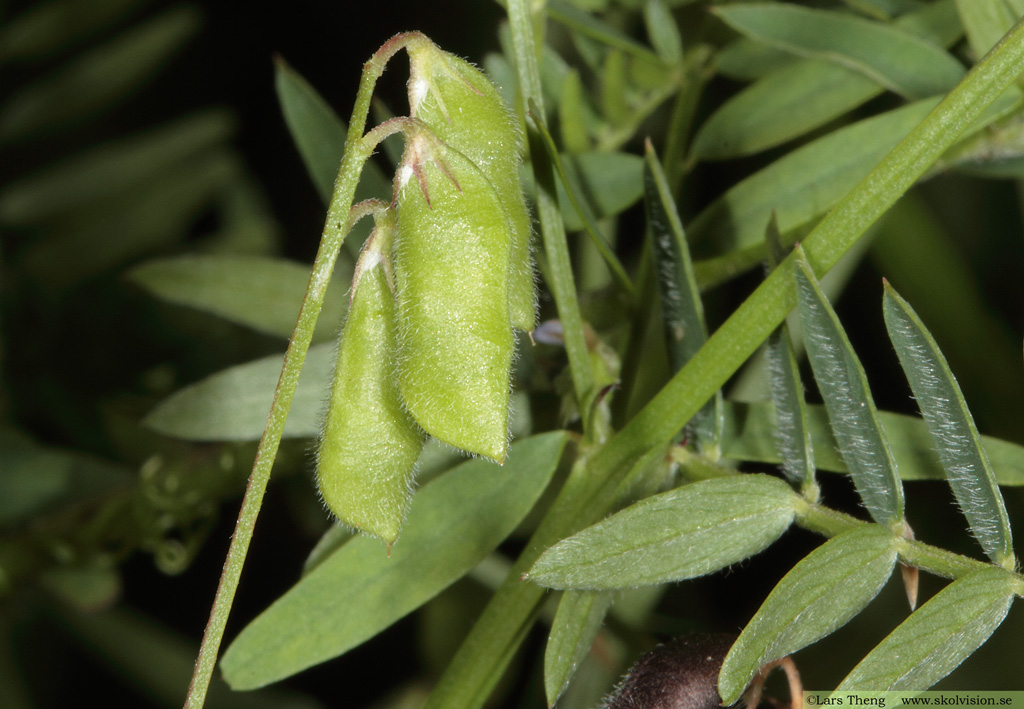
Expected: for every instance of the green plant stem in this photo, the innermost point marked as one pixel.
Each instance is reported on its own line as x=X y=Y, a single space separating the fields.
x=611 y=261
x=936 y=560
x=830 y=523
x=563 y=286
x=505 y=621
x=826 y=521
x=684 y=110
x=357 y=150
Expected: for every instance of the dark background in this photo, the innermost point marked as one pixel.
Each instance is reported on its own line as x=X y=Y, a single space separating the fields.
x=102 y=337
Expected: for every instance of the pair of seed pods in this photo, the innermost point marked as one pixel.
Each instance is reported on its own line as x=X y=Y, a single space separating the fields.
x=441 y=283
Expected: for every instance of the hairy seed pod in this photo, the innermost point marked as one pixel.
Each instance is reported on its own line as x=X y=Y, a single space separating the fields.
x=464 y=109
x=370 y=443
x=451 y=288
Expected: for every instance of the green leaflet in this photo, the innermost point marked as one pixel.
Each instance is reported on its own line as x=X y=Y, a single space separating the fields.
x=232 y=404
x=690 y=531
x=369 y=443
x=663 y=32
x=938 y=636
x=581 y=613
x=682 y=310
x=149 y=215
x=260 y=293
x=571 y=115
x=451 y=266
x=823 y=592
x=37 y=478
x=956 y=437
x=576 y=624
x=780 y=106
x=986 y=21
x=851 y=410
x=317 y=131
x=464 y=109
x=744 y=59
x=948 y=296
x=894 y=58
x=319 y=135
x=805 y=183
x=750 y=435
x=792 y=426
x=793 y=436
x=103 y=75
x=51 y=27
x=454 y=522
x=614 y=86
x=800 y=96
x=582 y=212
x=112 y=169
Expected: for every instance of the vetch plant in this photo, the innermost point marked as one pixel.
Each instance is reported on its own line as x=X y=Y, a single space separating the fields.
x=463 y=281
x=562 y=386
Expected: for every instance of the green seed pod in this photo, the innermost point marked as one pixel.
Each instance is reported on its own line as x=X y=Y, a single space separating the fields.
x=370 y=443
x=451 y=289
x=464 y=109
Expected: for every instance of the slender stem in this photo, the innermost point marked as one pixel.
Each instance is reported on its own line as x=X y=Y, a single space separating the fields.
x=830 y=523
x=563 y=286
x=826 y=521
x=357 y=150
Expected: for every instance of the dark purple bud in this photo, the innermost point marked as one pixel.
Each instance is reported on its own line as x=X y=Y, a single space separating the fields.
x=680 y=674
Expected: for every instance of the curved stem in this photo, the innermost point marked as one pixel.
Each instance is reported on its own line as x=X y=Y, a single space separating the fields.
x=357 y=151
